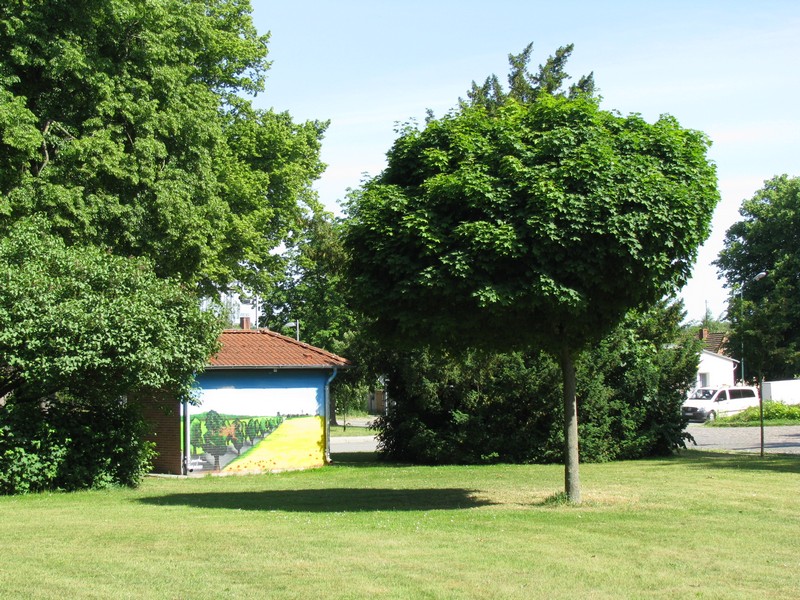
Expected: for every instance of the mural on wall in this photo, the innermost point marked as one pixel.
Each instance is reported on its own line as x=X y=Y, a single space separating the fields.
x=255 y=430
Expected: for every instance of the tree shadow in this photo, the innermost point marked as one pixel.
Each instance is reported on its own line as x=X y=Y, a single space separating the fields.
x=705 y=459
x=328 y=500
x=364 y=459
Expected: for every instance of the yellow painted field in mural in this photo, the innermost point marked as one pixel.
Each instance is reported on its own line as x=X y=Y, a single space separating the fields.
x=298 y=443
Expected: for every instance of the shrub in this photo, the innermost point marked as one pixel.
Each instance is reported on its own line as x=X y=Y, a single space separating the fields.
x=69 y=443
x=483 y=407
x=773 y=411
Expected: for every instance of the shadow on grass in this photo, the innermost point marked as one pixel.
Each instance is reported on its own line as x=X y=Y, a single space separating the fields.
x=328 y=500
x=780 y=463
x=363 y=459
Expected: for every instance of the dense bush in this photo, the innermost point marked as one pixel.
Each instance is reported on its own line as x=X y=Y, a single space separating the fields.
x=68 y=443
x=484 y=407
x=773 y=411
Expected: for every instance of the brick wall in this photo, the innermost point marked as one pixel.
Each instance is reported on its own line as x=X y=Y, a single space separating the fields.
x=163 y=415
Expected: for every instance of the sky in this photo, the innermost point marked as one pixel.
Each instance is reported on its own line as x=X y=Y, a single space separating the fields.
x=728 y=68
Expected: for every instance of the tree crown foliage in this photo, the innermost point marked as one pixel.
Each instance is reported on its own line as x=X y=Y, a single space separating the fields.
x=536 y=219
x=124 y=122
x=101 y=326
x=526 y=87
x=766 y=314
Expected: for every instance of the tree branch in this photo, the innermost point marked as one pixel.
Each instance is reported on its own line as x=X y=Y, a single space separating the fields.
x=44 y=148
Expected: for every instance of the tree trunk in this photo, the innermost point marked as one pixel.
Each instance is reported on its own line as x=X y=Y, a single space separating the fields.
x=572 y=480
x=332 y=411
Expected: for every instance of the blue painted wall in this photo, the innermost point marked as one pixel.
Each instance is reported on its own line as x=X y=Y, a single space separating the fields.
x=251 y=379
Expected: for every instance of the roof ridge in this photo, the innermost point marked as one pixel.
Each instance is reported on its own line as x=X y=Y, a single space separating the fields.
x=289 y=344
x=297 y=342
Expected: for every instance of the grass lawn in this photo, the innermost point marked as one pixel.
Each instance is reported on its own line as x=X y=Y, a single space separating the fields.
x=351 y=431
x=701 y=525
x=725 y=422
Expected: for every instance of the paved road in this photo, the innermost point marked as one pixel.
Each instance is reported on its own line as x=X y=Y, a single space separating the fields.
x=363 y=443
x=779 y=440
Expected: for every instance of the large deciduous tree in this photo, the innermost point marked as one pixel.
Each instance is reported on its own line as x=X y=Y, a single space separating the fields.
x=312 y=286
x=531 y=221
x=314 y=290
x=126 y=123
x=766 y=313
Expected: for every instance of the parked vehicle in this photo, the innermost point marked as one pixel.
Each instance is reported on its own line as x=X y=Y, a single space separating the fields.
x=708 y=403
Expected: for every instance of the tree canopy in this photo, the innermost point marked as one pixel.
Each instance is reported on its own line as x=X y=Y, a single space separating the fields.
x=77 y=318
x=766 y=313
x=125 y=123
x=535 y=222
x=541 y=224
x=312 y=288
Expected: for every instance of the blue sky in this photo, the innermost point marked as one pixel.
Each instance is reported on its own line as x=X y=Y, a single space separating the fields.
x=730 y=69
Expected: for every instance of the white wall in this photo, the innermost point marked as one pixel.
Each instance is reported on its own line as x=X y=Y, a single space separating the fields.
x=715 y=370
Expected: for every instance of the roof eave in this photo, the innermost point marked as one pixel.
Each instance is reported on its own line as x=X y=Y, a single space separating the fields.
x=277 y=367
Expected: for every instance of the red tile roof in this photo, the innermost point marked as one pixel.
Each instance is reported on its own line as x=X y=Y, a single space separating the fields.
x=249 y=348
x=714 y=342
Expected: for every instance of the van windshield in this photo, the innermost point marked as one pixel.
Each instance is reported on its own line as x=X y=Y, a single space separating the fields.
x=703 y=394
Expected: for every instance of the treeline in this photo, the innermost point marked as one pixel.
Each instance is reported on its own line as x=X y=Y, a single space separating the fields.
x=217 y=434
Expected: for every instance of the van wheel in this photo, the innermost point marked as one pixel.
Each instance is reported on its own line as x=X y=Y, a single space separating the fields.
x=711 y=416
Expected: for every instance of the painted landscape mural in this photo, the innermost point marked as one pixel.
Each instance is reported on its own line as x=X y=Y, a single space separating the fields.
x=255 y=430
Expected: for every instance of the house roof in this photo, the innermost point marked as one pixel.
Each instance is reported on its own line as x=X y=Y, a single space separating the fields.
x=714 y=342
x=262 y=348
x=717 y=355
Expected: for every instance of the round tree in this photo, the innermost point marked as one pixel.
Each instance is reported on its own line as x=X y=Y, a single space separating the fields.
x=529 y=223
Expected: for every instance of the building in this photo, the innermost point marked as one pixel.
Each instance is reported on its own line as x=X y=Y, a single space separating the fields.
x=715 y=368
x=262 y=405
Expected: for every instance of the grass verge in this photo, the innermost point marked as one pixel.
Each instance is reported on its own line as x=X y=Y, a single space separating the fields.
x=701 y=525
x=775 y=413
x=351 y=431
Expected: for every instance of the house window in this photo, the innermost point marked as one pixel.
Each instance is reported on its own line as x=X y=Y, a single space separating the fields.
x=703 y=378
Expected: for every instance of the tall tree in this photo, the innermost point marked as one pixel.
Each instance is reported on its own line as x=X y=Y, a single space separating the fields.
x=537 y=223
x=126 y=123
x=314 y=291
x=766 y=313
x=312 y=287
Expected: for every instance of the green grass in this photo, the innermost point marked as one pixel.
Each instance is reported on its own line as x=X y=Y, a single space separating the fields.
x=775 y=413
x=702 y=525
x=351 y=431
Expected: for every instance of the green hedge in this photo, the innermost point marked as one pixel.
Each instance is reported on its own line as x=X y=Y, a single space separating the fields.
x=773 y=411
x=483 y=407
x=68 y=443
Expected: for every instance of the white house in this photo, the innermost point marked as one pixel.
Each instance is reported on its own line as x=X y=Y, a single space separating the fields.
x=716 y=370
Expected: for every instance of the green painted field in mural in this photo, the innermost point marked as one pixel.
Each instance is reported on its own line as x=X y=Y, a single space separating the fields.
x=699 y=526
x=231 y=443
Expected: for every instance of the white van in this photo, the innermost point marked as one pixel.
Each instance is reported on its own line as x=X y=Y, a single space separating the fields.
x=706 y=403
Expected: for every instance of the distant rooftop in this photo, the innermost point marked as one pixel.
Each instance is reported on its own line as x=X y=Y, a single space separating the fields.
x=714 y=342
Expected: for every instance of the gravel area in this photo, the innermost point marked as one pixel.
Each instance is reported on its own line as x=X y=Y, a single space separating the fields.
x=779 y=440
